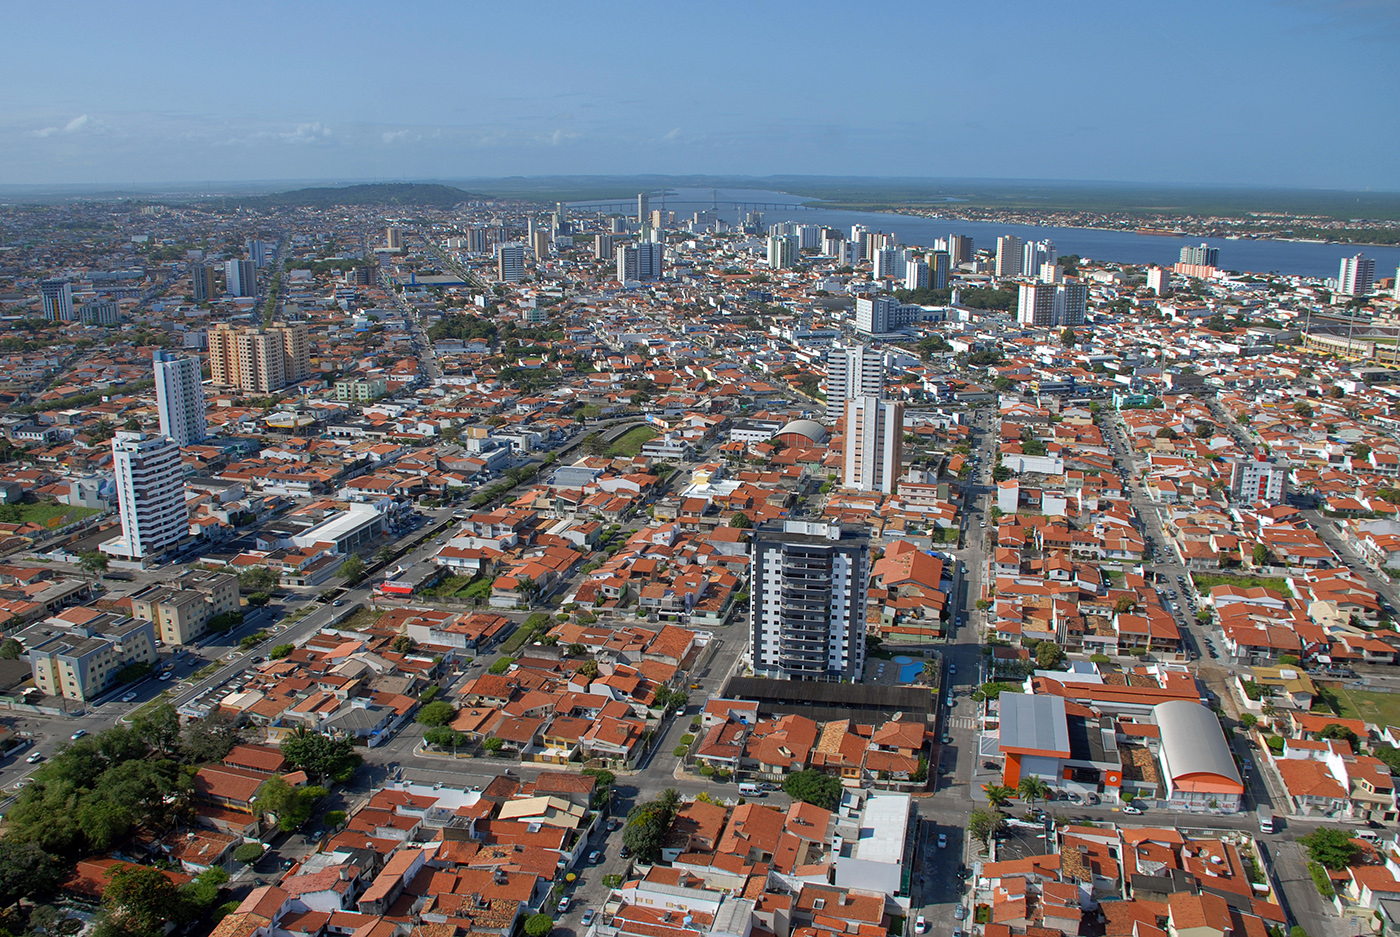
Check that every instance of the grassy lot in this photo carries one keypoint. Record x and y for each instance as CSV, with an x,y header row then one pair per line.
x,y
630,443
1204,581
449,586
52,515
361,619
1383,709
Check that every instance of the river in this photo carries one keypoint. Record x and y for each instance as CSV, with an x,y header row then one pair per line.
x,y
1249,255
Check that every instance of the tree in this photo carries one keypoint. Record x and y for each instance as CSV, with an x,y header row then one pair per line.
x,y
1032,789
280,651
401,644
538,925
1304,410
248,853
1331,847
1166,432
159,728
259,599
1360,452
740,521
334,819
353,569
983,824
1068,338
1049,655
997,794
493,744
814,787
27,871
291,805
588,668
1260,554
140,896
257,579
444,737
209,739
437,713
1335,730
384,554
10,649
1124,603
93,562
320,755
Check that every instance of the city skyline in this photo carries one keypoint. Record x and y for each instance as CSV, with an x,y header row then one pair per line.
x,y
134,101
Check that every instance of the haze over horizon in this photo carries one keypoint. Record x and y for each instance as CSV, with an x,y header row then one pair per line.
x,y
1287,93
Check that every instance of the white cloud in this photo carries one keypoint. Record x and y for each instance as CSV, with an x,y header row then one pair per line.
x,y
673,135
314,132
557,137
73,126
393,136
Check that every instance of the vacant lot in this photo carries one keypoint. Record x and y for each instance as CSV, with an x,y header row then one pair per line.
x,y
1383,709
631,442
47,515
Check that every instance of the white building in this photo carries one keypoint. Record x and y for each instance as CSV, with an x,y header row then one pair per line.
x,y
807,621
58,299
1159,280
150,495
875,845
1356,275
1257,481
916,275
852,372
1035,254
1008,255
510,263
179,397
240,278
872,444
782,251
889,263
1049,305
641,261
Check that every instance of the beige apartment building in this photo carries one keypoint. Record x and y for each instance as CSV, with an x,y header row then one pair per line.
x,y
259,360
79,653
182,611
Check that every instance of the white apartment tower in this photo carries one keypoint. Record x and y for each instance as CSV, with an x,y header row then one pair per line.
x,y
1050,305
1356,275
510,263
807,620
852,372
1159,280
393,238
240,278
872,444
58,300
640,261
1008,256
150,495
1035,254
916,275
782,251
179,398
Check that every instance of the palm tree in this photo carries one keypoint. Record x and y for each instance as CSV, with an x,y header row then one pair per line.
x,y
997,794
1032,789
669,800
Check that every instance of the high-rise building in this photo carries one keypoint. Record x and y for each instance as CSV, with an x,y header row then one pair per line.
x,y
240,278
478,239
1008,256
1050,305
360,275
101,313
782,251
810,590
510,263
832,243
959,250
881,314
889,262
249,359
540,245
852,372
179,397
640,261
1035,254
1396,291
393,238
202,282
150,483
643,207
1252,480
808,235
915,275
58,299
603,246
1159,280
258,251
1202,256
1354,278
938,265
872,444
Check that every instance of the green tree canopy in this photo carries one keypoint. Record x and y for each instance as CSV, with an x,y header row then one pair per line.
x,y
436,713
814,787
322,756
1331,847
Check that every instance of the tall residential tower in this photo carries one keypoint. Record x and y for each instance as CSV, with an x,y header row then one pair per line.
x,y
179,397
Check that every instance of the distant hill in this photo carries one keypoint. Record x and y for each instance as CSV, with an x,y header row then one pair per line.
x,y
406,194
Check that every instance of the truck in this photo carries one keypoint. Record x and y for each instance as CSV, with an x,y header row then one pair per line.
x,y
1266,819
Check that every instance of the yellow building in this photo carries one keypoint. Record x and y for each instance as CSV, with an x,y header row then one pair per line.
x,y
79,653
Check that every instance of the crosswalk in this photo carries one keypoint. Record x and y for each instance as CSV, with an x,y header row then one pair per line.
x,y
962,722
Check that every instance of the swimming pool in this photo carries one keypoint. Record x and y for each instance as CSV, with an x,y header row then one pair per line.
x,y
909,668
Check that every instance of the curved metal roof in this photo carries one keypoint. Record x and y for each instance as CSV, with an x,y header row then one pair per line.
x,y
809,428
1192,742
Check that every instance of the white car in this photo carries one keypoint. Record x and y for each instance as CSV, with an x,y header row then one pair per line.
x,y
920,925
942,840
1132,811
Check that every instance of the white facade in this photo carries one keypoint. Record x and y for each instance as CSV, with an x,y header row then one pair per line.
x,y
1356,275
179,398
1050,305
641,261
1159,280
510,263
873,444
1034,254
852,372
1257,481
150,495
1008,255
58,299
807,620
240,278
889,263
782,251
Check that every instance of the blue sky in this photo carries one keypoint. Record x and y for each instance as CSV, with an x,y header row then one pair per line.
x,y
1252,92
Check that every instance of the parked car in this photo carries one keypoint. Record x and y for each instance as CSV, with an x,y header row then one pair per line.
x,y
625,853
942,840
1132,811
920,925
587,917
564,904
959,913
595,857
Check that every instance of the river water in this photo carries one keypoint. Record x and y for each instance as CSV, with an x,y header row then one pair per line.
x,y
1251,256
